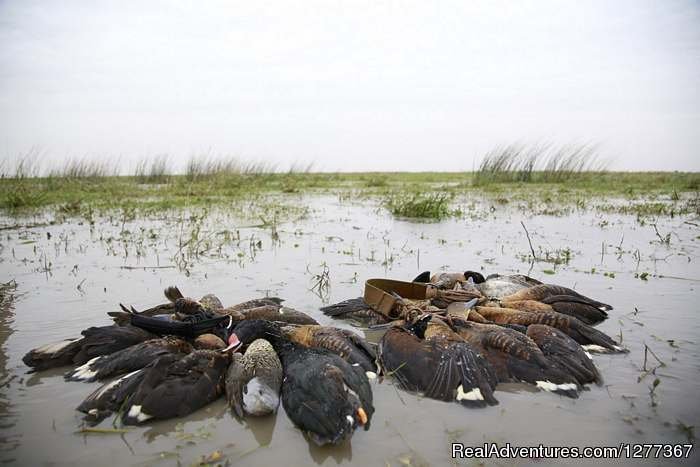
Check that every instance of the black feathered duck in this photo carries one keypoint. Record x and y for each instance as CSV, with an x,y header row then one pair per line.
x,y
426,356
324,395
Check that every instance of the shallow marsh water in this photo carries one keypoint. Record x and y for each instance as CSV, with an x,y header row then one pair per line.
x,y
70,273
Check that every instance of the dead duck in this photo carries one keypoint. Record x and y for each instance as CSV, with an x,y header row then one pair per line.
x,y
590,338
278,313
253,380
437,363
109,397
516,357
254,303
498,286
323,395
560,299
355,309
348,345
177,307
177,388
128,359
95,341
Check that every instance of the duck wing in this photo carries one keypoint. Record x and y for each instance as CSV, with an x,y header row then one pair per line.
x,y
565,352
237,376
589,337
178,389
444,372
126,360
278,313
257,302
104,340
464,375
578,307
546,292
109,397
346,306
53,355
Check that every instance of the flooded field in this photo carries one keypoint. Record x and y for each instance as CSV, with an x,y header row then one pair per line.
x,y
312,250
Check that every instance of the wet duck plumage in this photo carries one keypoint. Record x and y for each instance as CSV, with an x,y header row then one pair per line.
x,y
322,394
498,286
587,336
562,300
128,359
177,388
355,309
95,341
565,352
435,361
342,342
516,357
253,380
278,313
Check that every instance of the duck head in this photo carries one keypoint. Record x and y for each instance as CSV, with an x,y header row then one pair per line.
x,y
419,325
477,277
247,331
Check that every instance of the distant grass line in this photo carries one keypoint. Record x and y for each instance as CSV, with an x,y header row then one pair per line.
x,y
509,173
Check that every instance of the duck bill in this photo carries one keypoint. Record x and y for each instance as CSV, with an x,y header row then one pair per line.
x,y
361,416
233,344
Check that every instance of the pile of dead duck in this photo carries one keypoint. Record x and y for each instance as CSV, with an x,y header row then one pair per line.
x,y
452,337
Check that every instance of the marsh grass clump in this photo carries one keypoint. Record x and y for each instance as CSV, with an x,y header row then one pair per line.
x,y
156,170
435,205
537,163
206,167
86,168
19,190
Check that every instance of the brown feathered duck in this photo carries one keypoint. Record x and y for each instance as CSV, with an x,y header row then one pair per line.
x,y
177,307
433,360
590,338
516,357
354,309
348,345
253,380
323,395
524,293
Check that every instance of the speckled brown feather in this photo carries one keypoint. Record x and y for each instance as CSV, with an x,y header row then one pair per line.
x,y
277,313
259,360
342,342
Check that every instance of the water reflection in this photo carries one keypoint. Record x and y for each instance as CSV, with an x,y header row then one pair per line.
x,y
8,416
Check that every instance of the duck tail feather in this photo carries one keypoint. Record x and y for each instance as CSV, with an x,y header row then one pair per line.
x,y
594,340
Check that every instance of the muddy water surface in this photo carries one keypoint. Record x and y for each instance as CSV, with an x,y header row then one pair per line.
x,y
70,273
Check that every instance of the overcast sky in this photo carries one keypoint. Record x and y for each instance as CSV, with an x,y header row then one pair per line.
x,y
372,85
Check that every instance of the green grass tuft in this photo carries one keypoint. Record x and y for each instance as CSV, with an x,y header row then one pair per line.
x,y
419,205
